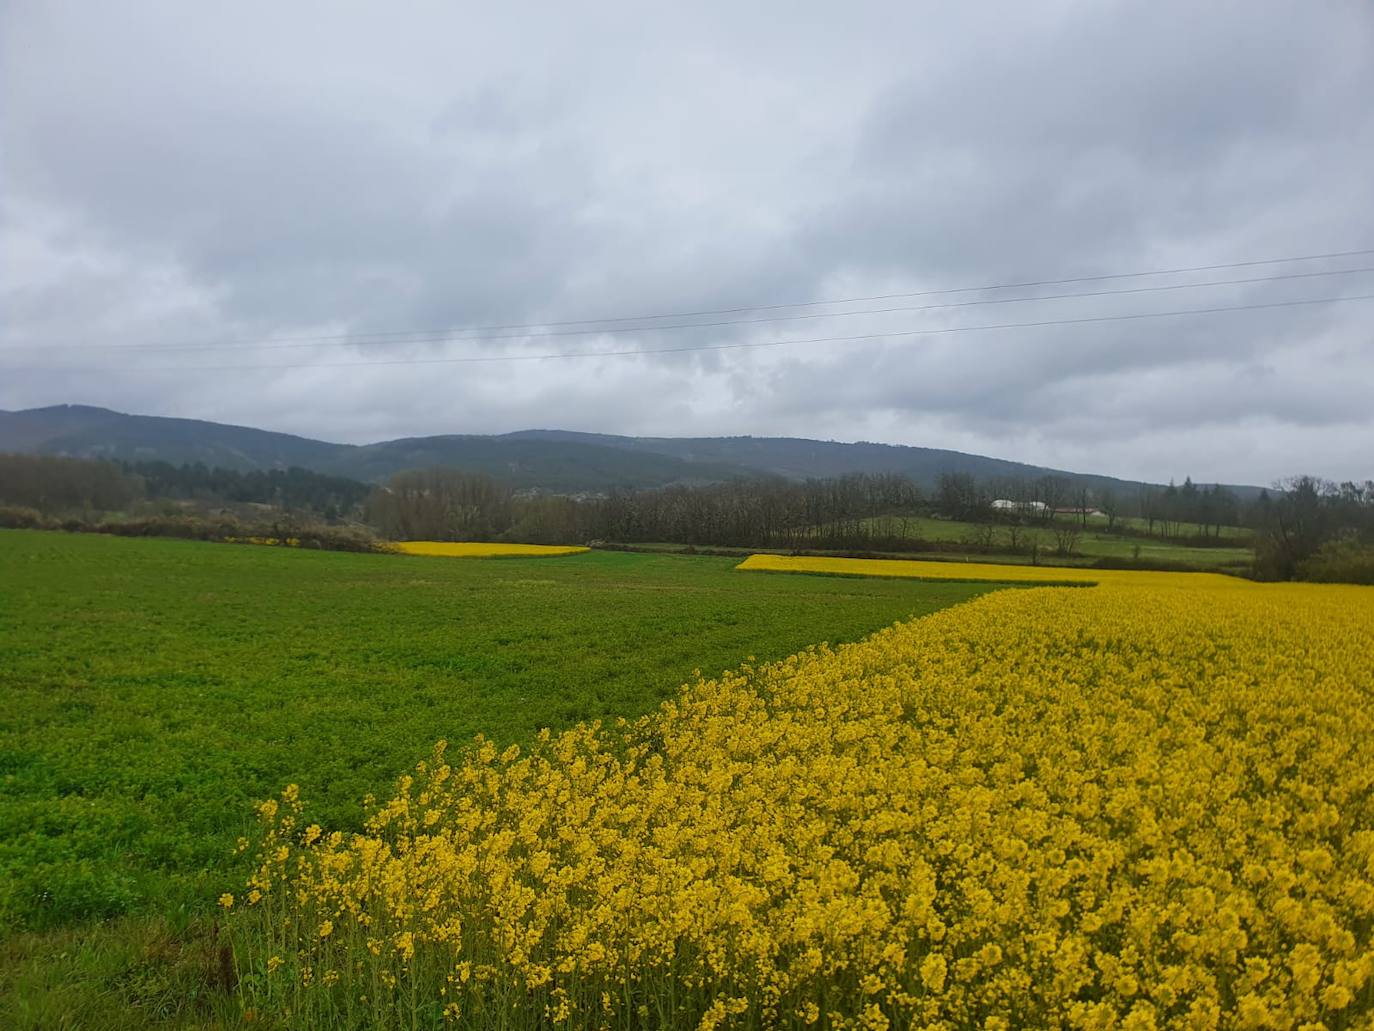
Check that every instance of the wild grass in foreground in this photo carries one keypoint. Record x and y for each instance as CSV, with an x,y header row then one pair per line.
x,y
126,974
1125,806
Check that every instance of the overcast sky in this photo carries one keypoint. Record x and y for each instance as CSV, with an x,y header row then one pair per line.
x,y
233,182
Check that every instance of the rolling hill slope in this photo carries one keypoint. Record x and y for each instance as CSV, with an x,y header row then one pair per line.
x,y
552,460
80,431
555,465
797,458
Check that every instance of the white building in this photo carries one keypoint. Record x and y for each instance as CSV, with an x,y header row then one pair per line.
x,y
1036,508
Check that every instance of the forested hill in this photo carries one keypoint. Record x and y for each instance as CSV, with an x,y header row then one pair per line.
x,y
797,458
81,431
550,460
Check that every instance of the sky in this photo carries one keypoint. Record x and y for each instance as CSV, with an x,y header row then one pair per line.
x,y
305,217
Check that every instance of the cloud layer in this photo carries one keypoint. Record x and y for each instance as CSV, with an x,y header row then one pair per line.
x,y
249,179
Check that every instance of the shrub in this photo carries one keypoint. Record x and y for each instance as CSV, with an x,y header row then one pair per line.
x,y
1344,560
288,533
18,517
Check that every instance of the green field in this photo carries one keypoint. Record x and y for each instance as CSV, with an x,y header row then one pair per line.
x,y
1184,529
1094,543
154,689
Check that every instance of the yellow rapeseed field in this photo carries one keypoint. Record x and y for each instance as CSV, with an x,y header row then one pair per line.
x,y
1145,804
478,549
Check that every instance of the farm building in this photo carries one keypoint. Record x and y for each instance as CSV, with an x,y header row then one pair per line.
x,y
1035,508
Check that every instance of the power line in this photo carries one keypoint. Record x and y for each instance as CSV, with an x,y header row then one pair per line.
x,y
741,345
450,333
419,338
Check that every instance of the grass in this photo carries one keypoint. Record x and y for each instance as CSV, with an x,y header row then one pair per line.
x,y
154,689
130,973
1094,543
1183,529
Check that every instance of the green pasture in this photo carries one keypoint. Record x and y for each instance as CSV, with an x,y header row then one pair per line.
x,y
1093,543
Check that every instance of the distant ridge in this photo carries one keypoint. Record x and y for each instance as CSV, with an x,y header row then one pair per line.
x,y
551,460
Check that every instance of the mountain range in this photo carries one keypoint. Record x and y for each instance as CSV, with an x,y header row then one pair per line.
x,y
549,460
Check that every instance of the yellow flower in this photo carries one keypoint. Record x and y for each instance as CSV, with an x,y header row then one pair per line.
x,y
226,900
933,970
1337,997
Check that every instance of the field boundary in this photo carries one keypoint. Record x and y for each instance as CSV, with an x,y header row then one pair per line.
x,y
840,575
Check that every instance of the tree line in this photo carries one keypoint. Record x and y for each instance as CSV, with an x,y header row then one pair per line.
x,y
445,504
1303,523
61,486
293,489
1304,527
848,512
1314,529
71,487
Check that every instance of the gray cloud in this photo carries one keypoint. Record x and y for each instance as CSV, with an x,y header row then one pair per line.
x,y
264,173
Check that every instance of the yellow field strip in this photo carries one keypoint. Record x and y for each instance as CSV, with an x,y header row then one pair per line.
x,y
480,549
924,570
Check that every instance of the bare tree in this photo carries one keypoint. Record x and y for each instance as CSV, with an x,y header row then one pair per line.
x,y
1016,535
441,504
1110,505
981,536
1066,538
1296,524
1052,491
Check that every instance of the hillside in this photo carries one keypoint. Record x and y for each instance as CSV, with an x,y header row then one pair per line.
x,y
79,431
799,459
553,460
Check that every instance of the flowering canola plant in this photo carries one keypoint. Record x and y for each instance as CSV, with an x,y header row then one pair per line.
x,y
1146,804
480,549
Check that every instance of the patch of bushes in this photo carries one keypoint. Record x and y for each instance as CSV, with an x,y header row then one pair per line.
x,y
1343,560
18,517
207,528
